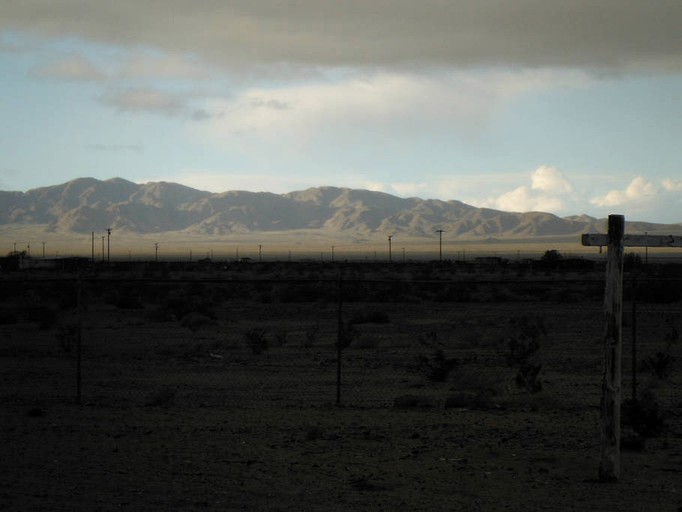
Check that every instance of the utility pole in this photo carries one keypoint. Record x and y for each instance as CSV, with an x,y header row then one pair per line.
x,y
260,252
103,248
440,244
108,245
156,251
389,248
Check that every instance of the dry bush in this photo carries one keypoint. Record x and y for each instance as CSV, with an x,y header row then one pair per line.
x,y
256,341
195,321
366,342
163,397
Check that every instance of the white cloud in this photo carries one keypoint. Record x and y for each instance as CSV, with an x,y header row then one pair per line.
x,y
408,189
637,191
672,185
146,100
164,66
547,192
71,68
522,199
223,181
550,180
369,106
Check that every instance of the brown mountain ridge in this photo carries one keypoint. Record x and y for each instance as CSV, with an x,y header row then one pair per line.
x,y
87,204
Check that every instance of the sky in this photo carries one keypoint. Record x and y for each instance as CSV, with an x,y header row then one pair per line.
x,y
532,105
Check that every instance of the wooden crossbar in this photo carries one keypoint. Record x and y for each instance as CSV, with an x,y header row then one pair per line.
x,y
602,240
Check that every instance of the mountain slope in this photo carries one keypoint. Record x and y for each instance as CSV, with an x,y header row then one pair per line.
x,y
86,204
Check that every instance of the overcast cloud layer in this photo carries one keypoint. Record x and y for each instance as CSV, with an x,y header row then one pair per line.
x,y
563,106
608,34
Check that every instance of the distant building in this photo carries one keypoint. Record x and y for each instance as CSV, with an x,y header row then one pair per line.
x,y
57,263
489,261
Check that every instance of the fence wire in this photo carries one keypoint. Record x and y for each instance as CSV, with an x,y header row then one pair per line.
x,y
479,341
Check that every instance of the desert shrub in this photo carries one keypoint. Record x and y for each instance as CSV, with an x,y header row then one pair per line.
x,y
311,335
7,316
527,377
475,379
659,292
478,400
159,314
163,397
44,316
346,336
370,317
672,335
281,337
522,348
644,415
471,338
125,298
255,339
414,402
179,304
660,365
195,321
366,342
435,367
632,261
66,336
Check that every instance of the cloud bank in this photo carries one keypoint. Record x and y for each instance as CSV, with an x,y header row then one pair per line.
x,y
608,34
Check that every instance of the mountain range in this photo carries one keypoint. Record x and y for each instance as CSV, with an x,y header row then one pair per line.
x,y
87,204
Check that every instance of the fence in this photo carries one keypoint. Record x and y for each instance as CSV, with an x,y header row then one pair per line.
x,y
424,335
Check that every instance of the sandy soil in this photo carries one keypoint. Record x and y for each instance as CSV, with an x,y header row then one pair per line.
x,y
179,419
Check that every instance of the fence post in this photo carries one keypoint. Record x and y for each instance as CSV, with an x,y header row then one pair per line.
x,y
634,337
79,337
609,467
339,344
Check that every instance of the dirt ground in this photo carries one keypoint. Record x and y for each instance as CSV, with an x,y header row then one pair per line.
x,y
187,416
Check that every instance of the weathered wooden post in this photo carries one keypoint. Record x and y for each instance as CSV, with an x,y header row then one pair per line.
x,y
79,338
616,240
609,465
339,342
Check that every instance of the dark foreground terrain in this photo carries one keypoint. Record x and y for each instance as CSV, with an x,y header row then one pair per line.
x,y
457,389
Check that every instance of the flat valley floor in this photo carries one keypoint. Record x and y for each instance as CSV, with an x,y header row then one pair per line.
x,y
203,396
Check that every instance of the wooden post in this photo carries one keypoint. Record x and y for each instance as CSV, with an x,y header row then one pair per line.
x,y
339,343
79,339
616,240
609,466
